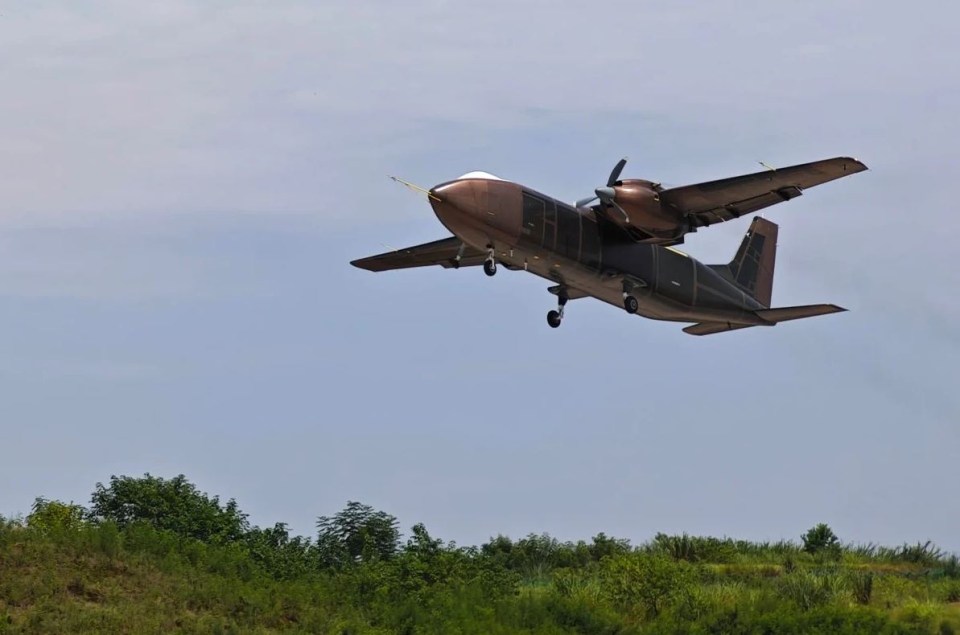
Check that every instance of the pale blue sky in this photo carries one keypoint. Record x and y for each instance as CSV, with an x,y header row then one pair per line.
x,y
184,183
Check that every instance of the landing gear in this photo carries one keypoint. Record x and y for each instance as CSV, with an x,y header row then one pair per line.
x,y
456,259
630,303
554,318
490,265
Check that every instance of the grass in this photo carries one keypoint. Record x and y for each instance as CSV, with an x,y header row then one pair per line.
x,y
83,576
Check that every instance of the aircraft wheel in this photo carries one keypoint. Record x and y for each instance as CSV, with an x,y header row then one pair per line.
x,y
553,319
630,304
490,267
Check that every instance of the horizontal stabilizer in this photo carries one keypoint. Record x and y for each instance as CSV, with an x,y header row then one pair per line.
x,y
797,312
709,328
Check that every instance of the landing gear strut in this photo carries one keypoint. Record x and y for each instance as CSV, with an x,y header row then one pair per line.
x,y
490,265
555,317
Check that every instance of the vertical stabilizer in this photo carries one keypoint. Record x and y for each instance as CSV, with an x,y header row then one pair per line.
x,y
752,267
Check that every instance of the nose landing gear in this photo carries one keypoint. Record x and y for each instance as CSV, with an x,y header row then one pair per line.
x,y
630,303
554,318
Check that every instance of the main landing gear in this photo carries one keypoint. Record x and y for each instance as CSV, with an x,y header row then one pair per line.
x,y
630,303
490,265
555,317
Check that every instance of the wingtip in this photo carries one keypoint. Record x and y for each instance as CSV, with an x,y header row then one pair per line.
x,y
857,163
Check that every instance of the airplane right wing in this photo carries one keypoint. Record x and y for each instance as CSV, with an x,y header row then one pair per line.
x,y
439,252
723,200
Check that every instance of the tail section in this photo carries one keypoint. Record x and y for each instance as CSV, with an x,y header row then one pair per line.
x,y
752,267
770,317
752,270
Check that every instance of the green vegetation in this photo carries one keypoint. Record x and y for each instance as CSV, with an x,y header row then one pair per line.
x,y
152,555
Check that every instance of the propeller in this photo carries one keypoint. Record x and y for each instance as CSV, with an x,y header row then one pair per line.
x,y
605,194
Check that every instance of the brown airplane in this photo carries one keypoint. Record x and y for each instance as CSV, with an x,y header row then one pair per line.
x,y
619,249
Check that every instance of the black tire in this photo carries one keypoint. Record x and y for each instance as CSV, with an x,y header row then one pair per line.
x,y
630,304
490,267
553,319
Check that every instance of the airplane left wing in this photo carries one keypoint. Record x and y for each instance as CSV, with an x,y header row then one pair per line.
x,y
723,200
439,252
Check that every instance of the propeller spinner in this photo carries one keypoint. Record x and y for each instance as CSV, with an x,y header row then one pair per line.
x,y
606,194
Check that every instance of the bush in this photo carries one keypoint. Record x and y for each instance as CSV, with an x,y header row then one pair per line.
x,y
696,548
808,590
861,583
648,582
925,553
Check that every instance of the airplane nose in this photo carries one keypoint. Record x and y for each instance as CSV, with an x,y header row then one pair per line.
x,y
463,195
459,206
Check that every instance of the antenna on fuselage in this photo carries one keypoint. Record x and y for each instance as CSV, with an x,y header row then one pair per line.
x,y
415,188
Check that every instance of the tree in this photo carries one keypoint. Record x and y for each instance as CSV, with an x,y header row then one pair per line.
x,y
168,504
820,539
422,543
604,545
357,534
52,515
283,557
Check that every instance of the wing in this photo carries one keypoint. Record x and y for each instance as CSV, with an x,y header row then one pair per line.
x,y
439,252
718,201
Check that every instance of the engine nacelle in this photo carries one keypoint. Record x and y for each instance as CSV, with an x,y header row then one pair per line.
x,y
640,199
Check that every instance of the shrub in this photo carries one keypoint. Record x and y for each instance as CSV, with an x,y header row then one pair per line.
x,y
809,590
650,582
861,582
925,553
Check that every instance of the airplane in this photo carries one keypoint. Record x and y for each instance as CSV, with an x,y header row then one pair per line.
x,y
621,249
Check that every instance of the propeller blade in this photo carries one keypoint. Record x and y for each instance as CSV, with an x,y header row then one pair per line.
x,y
583,202
615,174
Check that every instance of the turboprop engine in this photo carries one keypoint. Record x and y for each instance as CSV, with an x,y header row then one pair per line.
x,y
634,205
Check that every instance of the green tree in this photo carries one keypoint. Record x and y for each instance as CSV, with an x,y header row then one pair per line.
x,y
358,533
282,556
170,504
820,539
604,545
53,515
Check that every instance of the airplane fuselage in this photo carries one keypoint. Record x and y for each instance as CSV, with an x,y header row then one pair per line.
x,y
585,255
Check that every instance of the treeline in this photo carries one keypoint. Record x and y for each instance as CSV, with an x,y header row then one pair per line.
x,y
157,555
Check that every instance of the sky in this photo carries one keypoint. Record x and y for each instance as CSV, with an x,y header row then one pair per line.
x,y
183,185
